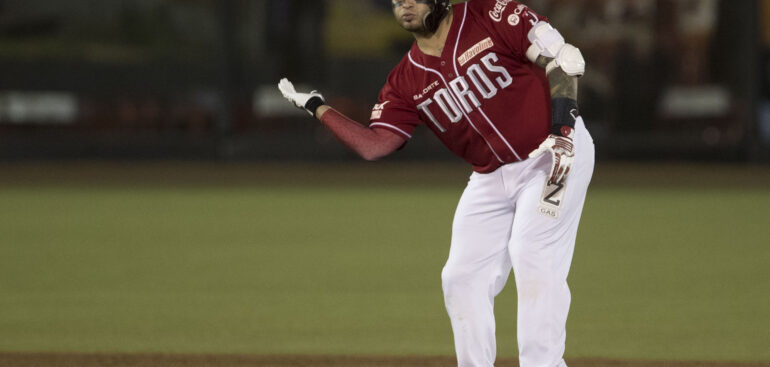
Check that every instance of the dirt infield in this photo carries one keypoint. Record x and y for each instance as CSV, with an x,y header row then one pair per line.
x,y
158,360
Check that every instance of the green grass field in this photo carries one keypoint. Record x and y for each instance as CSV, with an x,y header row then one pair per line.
x,y
671,262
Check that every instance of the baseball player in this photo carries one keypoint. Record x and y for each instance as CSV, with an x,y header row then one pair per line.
x,y
497,84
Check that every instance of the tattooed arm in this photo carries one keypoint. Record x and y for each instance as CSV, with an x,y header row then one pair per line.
x,y
564,90
563,64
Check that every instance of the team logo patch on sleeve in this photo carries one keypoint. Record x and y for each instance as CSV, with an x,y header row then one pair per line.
x,y
475,50
377,110
514,19
497,12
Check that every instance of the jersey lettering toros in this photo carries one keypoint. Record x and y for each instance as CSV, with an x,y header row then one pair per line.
x,y
482,98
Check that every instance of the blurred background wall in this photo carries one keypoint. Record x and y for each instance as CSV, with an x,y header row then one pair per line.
x,y
195,79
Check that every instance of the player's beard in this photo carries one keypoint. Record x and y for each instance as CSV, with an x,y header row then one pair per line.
x,y
415,27
418,28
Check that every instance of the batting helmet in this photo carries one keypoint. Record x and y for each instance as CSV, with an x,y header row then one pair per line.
x,y
438,10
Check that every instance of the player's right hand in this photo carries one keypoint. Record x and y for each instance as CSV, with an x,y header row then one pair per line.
x,y
562,152
307,101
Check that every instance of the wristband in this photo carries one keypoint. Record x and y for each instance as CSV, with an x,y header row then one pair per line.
x,y
565,113
313,104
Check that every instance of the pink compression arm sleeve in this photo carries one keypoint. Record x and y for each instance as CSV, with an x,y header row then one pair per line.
x,y
370,144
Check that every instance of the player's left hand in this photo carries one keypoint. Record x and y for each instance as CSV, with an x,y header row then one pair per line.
x,y
307,101
562,151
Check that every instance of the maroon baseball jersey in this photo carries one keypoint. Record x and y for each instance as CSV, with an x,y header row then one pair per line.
x,y
483,98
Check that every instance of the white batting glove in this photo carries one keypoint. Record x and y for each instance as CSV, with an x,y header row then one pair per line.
x,y
562,151
307,101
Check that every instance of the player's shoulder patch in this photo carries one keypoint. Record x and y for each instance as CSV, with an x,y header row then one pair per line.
x,y
498,9
377,110
509,11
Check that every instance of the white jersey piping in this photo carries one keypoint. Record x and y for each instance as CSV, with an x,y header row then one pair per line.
x,y
451,93
391,127
457,72
499,134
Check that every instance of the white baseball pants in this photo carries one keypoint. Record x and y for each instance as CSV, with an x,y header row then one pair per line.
x,y
498,226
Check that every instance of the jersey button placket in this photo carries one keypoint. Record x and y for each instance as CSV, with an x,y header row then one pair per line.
x,y
443,66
